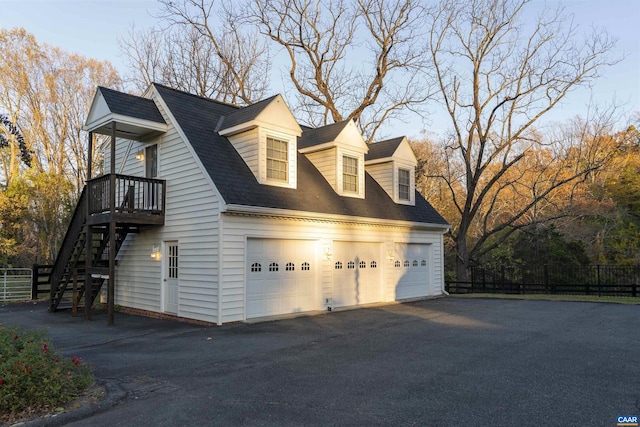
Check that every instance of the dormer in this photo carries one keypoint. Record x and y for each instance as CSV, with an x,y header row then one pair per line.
x,y
264,134
337,151
392,164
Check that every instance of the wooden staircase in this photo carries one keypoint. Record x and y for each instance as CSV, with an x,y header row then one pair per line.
x,y
81,267
69,273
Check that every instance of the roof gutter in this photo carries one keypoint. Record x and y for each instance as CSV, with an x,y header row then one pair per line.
x,y
295,214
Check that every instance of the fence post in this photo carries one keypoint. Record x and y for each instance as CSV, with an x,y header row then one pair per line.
x,y
4,286
34,282
484,280
598,275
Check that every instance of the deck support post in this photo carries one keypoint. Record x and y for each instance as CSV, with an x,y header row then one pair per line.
x,y
112,229
89,236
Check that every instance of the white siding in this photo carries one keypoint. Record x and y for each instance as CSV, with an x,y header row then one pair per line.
x,y
192,215
246,144
325,162
383,174
237,229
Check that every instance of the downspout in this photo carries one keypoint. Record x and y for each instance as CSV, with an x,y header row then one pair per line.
x,y
220,260
442,284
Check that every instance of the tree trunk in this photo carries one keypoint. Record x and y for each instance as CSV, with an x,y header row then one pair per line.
x,y
462,258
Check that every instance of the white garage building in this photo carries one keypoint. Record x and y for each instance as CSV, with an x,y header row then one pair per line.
x,y
264,217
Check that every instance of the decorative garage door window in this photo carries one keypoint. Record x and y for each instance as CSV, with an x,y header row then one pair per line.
x,y
338,265
361,281
412,274
287,283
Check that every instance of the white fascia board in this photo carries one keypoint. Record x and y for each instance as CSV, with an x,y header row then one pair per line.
x,y
252,124
127,120
319,147
242,127
376,161
287,213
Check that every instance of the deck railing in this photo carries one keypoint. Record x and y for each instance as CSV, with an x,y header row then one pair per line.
x,y
132,195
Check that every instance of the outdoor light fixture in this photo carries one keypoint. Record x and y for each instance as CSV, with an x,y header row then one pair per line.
x,y
140,155
328,252
156,255
390,255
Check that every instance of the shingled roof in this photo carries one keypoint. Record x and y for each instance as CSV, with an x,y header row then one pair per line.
x,y
317,136
246,114
198,118
131,105
383,149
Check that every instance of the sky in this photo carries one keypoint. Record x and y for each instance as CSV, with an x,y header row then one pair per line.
x,y
92,28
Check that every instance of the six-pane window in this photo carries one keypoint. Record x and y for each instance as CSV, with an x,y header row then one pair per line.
x,y
404,183
277,159
349,174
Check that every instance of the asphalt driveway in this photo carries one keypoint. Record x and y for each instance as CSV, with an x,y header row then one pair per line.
x,y
443,362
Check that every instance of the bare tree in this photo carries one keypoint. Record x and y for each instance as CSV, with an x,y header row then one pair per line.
x,y
205,50
499,72
349,60
46,93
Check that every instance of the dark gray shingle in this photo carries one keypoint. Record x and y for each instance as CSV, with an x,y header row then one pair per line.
x,y
317,136
198,117
245,114
383,149
131,105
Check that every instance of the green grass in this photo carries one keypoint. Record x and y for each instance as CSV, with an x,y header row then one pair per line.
x,y
545,297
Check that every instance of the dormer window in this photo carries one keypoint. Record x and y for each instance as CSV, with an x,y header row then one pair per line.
x,y
277,159
404,184
349,174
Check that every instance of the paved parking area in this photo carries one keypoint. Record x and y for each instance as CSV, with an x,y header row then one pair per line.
x,y
443,362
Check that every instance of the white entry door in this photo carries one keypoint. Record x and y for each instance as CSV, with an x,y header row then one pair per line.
x,y
411,270
357,277
282,277
171,277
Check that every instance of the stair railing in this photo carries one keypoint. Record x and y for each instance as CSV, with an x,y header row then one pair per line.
x,y
66,250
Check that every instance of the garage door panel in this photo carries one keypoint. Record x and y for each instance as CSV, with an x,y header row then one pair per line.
x,y
281,277
356,275
411,270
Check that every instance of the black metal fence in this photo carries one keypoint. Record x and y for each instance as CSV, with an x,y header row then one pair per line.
x,y
600,280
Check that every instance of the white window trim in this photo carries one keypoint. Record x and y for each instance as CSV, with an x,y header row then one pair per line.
x,y
340,153
292,166
412,184
286,161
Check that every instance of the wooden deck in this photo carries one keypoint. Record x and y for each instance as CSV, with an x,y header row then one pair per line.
x,y
136,201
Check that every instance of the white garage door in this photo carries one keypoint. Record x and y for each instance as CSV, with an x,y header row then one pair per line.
x,y
411,270
357,273
281,277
